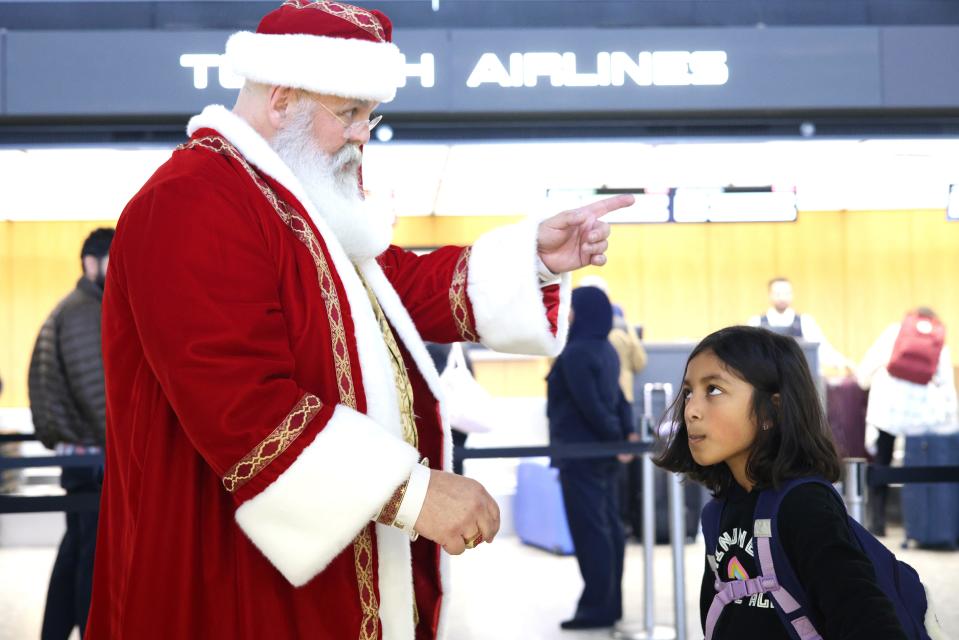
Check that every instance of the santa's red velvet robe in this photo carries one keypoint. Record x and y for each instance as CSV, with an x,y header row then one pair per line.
x,y
253,427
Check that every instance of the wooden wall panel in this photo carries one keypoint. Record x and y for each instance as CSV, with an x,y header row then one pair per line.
x,y
810,253
855,272
935,260
879,268
741,259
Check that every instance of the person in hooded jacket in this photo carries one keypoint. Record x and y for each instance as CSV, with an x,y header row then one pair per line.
x,y
585,404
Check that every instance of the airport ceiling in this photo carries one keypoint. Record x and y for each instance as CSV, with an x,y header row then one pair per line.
x,y
228,14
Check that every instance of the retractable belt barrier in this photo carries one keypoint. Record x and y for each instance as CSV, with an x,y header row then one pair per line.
x,y
879,475
857,476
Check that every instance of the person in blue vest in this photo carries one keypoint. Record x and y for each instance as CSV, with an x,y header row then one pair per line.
x,y
783,319
585,404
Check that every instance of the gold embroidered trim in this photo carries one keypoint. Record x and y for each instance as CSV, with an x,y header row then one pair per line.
x,y
274,444
458,297
356,15
390,510
363,544
404,389
363,561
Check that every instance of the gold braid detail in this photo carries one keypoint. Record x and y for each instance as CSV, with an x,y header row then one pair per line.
x,y
363,544
458,297
403,387
355,15
274,444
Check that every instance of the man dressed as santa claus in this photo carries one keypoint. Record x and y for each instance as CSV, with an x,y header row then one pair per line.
x,y
277,458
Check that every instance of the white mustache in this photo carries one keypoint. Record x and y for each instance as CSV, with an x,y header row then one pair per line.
x,y
346,158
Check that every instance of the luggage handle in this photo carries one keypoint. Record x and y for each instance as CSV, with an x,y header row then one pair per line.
x,y
647,422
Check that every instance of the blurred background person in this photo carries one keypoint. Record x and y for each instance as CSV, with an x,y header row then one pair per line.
x,y
632,360
585,404
68,407
912,392
783,319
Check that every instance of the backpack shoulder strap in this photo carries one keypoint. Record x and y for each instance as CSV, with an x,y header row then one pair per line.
x,y
789,596
710,517
726,592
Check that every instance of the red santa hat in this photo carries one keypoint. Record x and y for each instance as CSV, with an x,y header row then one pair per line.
x,y
325,47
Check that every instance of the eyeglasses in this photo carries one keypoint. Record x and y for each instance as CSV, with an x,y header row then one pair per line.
x,y
353,129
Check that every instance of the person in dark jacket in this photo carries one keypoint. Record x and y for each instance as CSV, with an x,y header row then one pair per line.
x,y
585,404
68,406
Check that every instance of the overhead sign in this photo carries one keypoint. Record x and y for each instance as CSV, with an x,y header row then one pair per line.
x,y
612,69
518,71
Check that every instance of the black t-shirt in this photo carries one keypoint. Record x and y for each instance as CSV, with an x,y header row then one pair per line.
x,y
838,577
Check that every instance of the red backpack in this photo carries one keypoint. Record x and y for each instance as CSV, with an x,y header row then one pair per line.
x,y
915,356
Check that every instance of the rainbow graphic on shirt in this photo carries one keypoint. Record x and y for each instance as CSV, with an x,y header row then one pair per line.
x,y
736,570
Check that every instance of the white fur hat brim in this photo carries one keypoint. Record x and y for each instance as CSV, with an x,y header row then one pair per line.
x,y
344,67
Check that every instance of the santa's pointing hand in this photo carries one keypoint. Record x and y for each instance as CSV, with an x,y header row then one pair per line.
x,y
576,238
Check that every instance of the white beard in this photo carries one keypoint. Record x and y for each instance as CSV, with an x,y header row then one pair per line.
x,y
331,183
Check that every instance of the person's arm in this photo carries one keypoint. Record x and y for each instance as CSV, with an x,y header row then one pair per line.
x,y
838,577
490,292
828,355
580,369
199,275
79,347
877,356
637,352
501,291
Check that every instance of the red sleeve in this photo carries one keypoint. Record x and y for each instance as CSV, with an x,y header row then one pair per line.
x,y
433,290
487,293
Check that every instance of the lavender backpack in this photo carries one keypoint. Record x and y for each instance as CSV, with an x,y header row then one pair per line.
x,y
898,580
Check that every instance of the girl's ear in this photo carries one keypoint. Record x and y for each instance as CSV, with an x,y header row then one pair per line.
x,y
775,400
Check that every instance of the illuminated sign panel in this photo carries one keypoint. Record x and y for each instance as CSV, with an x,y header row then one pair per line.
x,y
689,204
470,71
613,69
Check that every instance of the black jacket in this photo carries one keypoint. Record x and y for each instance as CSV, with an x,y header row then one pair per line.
x,y
66,371
839,579
584,402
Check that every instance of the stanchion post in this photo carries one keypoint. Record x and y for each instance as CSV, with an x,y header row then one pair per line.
x,y
649,630
649,514
854,487
677,535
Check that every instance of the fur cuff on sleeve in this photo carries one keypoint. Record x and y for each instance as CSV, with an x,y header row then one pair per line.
x,y
311,512
504,291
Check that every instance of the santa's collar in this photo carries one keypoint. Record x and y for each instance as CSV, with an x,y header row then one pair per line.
x,y
255,149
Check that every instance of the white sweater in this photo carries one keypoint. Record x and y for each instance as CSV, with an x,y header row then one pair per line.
x,y
905,408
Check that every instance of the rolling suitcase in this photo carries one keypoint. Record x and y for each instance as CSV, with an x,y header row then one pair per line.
x,y
538,512
931,510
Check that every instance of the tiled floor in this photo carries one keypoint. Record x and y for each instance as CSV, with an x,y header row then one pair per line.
x,y
503,591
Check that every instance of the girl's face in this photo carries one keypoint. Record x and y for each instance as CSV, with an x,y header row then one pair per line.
x,y
718,416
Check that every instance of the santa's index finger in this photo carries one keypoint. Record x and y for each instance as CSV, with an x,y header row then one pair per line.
x,y
608,205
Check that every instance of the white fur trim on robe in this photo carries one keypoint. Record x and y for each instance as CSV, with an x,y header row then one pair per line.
x,y
504,291
406,331
315,508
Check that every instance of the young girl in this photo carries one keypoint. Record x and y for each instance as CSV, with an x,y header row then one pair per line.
x,y
749,418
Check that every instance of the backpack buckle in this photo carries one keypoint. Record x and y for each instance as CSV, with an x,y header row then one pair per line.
x,y
763,528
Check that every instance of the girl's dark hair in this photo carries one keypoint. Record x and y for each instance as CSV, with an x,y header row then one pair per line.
x,y
799,441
